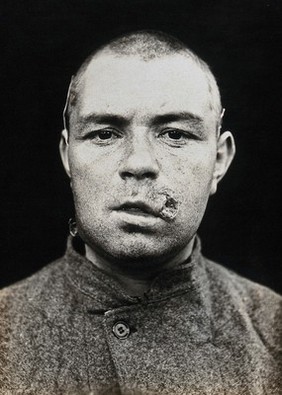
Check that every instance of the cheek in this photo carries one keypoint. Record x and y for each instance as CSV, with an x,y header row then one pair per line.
x,y
90,181
191,181
191,172
187,175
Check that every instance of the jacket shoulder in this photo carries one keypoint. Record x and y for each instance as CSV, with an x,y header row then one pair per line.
x,y
241,286
16,296
259,305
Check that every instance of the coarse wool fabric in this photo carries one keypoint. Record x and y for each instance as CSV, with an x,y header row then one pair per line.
x,y
200,329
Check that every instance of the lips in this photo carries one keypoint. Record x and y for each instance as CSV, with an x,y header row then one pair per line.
x,y
138,208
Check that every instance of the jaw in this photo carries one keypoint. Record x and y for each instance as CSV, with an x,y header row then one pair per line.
x,y
138,262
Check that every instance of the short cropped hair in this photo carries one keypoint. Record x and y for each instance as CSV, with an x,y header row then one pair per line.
x,y
147,45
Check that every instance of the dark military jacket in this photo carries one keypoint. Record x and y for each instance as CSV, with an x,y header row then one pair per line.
x,y
200,329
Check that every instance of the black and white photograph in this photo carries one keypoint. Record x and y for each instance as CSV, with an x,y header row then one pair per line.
x,y
141,206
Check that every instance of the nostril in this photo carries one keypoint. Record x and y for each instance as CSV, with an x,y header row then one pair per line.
x,y
126,174
149,174
140,175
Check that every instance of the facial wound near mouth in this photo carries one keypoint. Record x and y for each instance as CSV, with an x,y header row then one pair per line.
x,y
167,203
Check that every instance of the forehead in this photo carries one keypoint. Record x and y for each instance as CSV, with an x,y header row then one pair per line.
x,y
128,85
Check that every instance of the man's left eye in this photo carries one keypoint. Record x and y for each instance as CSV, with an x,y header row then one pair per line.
x,y
177,137
175,134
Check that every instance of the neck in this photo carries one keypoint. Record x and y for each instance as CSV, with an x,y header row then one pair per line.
x,y
136,283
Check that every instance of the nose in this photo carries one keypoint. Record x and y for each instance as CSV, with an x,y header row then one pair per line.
x,y
139,161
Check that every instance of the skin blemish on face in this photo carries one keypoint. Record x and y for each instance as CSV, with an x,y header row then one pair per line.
x,y
169,204
163,200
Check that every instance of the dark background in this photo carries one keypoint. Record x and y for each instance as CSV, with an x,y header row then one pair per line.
x,y
43,42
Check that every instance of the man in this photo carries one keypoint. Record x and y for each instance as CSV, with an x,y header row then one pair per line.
x,y
133,307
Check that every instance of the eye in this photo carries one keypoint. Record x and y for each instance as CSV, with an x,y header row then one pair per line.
x,y
104,134
175,134
175,137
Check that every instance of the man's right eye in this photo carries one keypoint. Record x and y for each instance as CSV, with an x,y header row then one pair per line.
x,y
103,135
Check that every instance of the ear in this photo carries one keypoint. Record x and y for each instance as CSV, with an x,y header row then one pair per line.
x,y
64,151
225,153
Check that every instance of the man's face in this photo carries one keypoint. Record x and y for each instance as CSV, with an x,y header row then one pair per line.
x,y
141,154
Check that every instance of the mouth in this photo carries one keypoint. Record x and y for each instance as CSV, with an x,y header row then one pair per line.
x,y
138,209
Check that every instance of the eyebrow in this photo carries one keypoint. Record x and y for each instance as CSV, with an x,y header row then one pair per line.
x,y
120,121
102,119
177,116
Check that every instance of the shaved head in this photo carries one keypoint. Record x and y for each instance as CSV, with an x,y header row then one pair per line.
x,y
146,45
144,115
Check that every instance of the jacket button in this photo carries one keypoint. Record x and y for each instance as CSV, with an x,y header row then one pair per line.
x,y
121,330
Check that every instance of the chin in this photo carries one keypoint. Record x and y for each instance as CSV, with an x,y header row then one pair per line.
x,y
138,252
135,255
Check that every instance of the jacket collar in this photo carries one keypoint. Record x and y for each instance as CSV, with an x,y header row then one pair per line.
x,y
188,277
